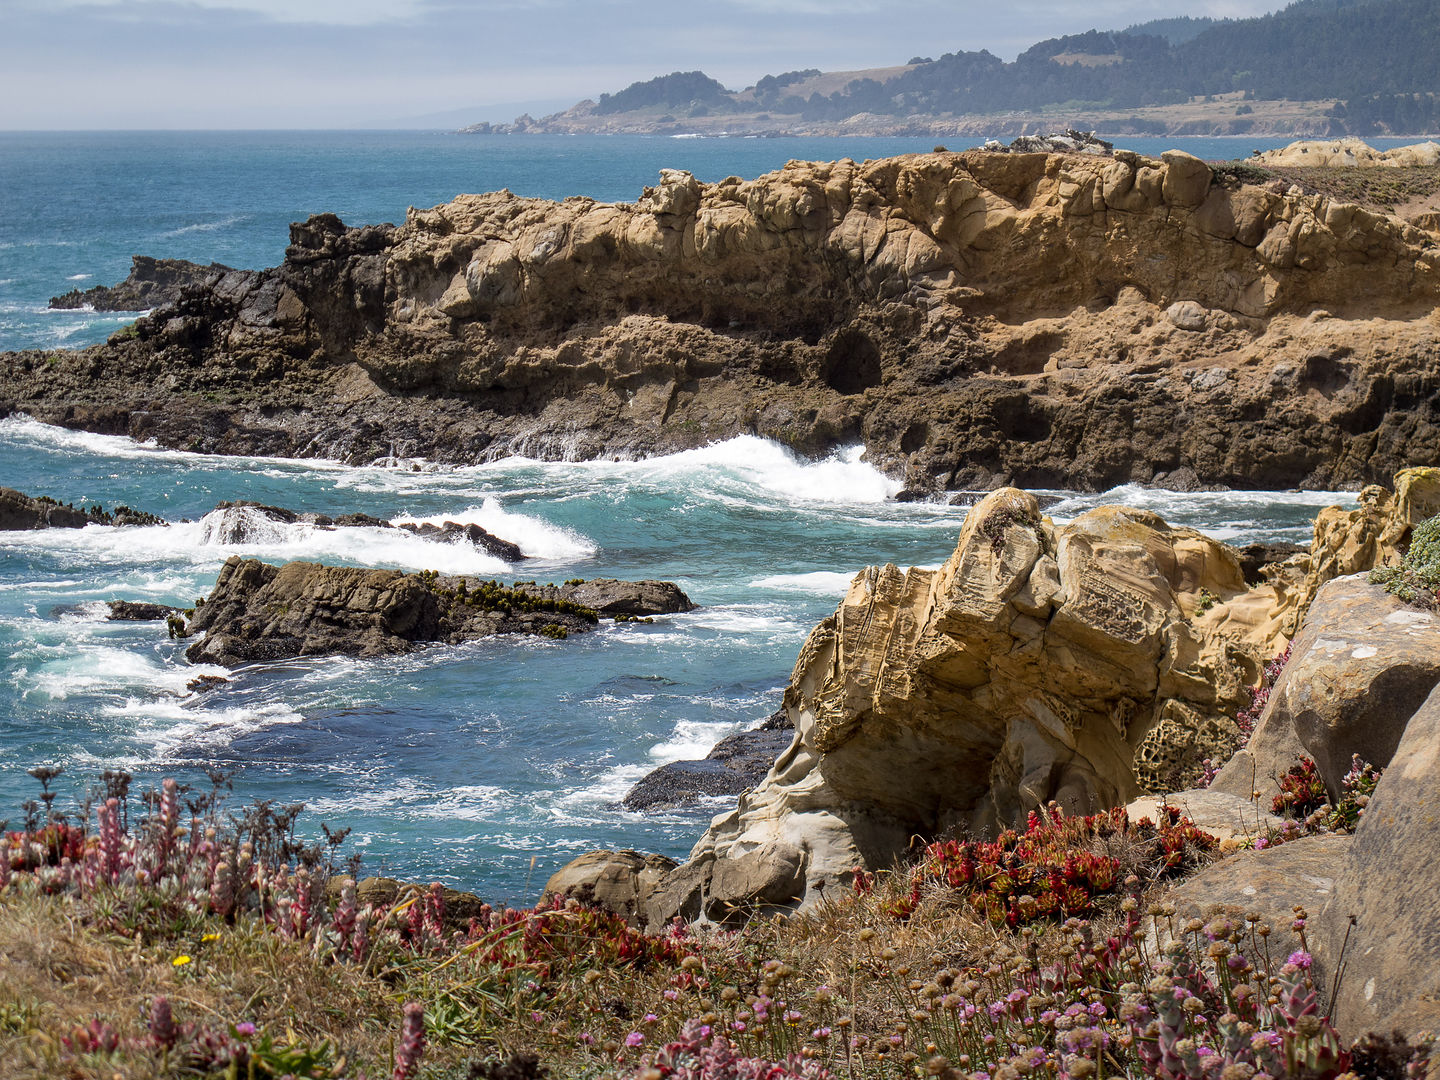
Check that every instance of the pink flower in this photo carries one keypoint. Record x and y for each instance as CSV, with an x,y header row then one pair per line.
x,y
1301,959
247,1029
634,1039
671,995
650,1018
738,1026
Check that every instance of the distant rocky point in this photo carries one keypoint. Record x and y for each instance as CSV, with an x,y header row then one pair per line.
x,y
20,511
1054,320
151,283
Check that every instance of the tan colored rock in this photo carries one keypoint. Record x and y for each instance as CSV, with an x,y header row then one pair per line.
x,y
1187,315
1387,883
1031,667
1359,668
1348,153
1187,178
618,881
966,316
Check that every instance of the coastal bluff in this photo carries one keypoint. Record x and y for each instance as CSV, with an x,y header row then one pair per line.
x,y
975,319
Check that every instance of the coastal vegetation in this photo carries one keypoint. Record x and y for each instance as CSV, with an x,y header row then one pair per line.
x,y
168,936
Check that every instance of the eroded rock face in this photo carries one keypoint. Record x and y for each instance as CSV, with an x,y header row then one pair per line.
x,y
259,612
975,319
1032,666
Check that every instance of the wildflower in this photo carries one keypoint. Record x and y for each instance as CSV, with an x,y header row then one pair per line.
x,y
180,961
738,1026
634,1039
245,1028
162,1025
1300,958
209,938
412,1042
669,995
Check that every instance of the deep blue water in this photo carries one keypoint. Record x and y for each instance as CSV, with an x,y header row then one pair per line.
x,y
486,765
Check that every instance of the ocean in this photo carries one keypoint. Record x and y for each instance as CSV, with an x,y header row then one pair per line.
x,y
488,765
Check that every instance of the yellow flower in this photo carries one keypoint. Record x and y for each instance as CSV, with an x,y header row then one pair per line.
x,y
180,961
210,937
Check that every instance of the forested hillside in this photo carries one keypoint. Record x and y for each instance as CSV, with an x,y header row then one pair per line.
x,y
1378,58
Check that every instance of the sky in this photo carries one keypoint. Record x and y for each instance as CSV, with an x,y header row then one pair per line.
x,y
122,64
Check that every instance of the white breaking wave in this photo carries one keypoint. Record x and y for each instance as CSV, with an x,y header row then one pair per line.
x,y
819,582
537,538
168,727
78,277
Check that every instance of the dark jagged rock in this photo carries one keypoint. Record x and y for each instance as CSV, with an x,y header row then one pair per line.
x,y
733,765
1205,333
1255,557
204,683
241,522
613,598
451,531
259,612
19,511
132,611
151,283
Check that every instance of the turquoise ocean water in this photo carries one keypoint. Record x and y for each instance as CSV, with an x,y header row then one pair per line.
x,y
486,765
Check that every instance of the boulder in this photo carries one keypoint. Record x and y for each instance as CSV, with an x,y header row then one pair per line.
x,y
1039,663
1187,315
637,598
259,612
1387,883
735,764
618,881
1221,814
1358,670
460,907
1254,558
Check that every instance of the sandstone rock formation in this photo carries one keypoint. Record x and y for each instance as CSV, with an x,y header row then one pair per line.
x,y
19,511
1361,665
1038,663
151,283
972,318
619,881
259,612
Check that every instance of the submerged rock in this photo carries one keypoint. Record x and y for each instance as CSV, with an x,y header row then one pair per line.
x,y
243,522
259,612
451,531
133,611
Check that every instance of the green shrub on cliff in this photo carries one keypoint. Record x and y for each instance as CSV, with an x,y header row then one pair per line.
x,y
1417,579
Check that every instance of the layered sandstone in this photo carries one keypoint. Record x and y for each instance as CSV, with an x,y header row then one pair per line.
x,y
1039,663
1045,319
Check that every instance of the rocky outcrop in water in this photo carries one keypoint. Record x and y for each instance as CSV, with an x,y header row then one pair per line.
x,y
150,284
259,612
139,611
245,522
734,764
19,511
973,318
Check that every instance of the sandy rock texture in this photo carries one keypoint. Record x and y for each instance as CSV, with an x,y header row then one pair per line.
x,y
974,319
1038,663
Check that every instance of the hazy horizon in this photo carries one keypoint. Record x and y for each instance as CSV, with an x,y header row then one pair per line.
x,y
298,64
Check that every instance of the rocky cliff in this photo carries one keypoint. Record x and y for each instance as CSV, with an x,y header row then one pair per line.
x,y
974,319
